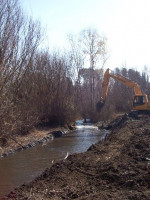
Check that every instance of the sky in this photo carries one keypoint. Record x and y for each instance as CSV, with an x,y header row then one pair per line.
x,y
125,24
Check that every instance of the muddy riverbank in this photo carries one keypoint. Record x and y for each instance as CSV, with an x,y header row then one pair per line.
x,y
15,143
118,168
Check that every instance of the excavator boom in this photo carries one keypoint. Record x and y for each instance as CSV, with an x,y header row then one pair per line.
x,y
121,79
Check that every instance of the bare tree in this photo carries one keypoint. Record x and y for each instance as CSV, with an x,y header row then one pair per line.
x,y
19,41
94,47
88,53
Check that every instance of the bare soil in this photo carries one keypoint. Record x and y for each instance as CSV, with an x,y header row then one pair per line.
x,y
115,169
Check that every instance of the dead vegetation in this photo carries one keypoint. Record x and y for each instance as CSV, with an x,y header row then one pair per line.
x,y
35,86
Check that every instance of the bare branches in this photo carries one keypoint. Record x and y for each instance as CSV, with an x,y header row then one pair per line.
x,y
88,51
19,40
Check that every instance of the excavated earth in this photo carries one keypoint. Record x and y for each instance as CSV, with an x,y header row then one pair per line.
x,y
115,169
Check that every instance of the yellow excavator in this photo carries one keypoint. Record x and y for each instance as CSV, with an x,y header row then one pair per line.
x,y
140,100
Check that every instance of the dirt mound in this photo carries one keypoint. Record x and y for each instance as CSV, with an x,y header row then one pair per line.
x,y
117,123
118,168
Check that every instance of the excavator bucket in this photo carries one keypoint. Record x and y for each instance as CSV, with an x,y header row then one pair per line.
x,y
99,106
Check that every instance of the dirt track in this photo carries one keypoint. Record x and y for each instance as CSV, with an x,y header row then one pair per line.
x,y
117,169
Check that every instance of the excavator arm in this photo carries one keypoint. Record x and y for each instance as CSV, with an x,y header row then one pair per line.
x,y
140,100
120,78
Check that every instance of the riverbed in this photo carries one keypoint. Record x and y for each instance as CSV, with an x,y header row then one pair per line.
x,y
22,167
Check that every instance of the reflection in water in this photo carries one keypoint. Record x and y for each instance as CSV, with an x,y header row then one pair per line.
x,y
24,166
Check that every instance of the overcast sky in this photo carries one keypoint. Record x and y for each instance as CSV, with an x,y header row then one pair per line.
x,y
125,23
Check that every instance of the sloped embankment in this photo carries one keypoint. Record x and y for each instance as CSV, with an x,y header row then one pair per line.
x,y
118,168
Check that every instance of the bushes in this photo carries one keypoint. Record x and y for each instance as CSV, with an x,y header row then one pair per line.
x,y
35,86
44,94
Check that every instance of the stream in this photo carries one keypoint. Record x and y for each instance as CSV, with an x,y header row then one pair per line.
x,y
22,167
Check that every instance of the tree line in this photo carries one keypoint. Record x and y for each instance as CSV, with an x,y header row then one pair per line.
x,y
42,87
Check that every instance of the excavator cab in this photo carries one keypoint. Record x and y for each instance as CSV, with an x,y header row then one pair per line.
x,y
138,100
